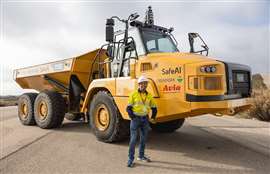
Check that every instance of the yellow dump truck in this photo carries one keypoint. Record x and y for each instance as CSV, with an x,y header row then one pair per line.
x,y
94,87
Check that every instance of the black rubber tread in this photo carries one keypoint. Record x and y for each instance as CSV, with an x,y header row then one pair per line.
x,y
73,117
118,128
29,99
56,109
168,127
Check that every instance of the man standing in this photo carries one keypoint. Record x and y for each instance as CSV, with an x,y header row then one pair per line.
x,y
139,104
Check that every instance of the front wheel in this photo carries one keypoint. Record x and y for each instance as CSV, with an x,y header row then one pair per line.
x,y
105,119
168,127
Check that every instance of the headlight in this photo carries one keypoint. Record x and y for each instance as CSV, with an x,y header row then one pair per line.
x,y
208,69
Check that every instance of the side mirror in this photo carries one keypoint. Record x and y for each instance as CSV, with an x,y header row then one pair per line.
x,y
191,37
109,30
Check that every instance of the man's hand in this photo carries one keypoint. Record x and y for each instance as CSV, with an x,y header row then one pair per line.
x,y
132,116
154,114
130,112
153,120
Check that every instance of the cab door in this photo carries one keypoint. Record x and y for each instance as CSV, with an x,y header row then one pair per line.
x,y
125,84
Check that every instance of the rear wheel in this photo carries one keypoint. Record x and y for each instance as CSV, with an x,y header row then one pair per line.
x,y
105,119
26,108
49,109
167,127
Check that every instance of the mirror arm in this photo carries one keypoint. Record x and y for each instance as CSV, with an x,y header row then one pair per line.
x,y
174,39
191,41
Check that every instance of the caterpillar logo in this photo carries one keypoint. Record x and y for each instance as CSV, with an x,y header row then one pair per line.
x,y
176,70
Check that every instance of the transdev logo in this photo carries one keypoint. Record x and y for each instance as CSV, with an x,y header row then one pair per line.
x,y
169,80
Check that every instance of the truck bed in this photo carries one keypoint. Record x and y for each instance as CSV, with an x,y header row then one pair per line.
x,y
36,77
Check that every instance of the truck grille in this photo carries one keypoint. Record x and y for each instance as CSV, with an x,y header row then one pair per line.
x,y
238,79
241,82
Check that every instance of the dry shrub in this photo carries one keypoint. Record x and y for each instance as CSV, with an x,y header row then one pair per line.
x,y
258,82
260,105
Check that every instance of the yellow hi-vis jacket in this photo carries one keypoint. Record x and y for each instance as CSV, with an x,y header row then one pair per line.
x,y
141,103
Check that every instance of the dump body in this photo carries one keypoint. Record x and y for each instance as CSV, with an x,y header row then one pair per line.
x,y
34,77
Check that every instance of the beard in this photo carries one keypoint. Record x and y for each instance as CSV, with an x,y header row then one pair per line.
x,y
142,89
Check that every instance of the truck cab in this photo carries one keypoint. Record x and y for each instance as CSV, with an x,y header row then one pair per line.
x,y
184,84
145,41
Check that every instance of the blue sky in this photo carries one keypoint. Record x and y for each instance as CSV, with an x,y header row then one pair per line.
x,y
39,32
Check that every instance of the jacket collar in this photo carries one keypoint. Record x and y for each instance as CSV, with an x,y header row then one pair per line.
x,y
141,91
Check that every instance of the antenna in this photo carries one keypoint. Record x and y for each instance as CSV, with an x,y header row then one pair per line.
x,y
149,16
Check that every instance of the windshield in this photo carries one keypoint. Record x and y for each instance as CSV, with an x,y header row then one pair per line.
x,y
158,42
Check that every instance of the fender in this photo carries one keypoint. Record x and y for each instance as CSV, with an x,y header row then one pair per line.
x,y
108,84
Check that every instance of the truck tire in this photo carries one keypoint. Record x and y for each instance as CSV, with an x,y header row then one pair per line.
x,y
167,127
106,120
26,108
50,109
73,116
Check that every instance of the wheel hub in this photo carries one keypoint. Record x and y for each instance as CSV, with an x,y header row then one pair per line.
x,y
102,118
24,110
42,110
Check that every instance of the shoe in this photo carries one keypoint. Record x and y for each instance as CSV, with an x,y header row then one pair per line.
x,y
130,164
144,159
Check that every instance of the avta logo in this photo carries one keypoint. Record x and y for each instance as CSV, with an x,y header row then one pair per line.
x,y
171,88
176,70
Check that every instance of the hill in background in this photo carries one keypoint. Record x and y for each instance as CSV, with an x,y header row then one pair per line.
x,y
8,100
266,79
258,82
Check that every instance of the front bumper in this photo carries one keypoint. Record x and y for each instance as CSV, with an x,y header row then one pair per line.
x,y
207,98
227,107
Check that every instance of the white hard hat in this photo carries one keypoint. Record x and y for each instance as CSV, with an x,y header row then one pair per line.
x,y
142,79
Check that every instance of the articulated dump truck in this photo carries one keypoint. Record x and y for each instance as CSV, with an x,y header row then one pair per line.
x,y
94,87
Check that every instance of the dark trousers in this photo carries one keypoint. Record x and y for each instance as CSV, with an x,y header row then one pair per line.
x,y
141,124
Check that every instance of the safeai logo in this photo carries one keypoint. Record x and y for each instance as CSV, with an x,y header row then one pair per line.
x,y
169,71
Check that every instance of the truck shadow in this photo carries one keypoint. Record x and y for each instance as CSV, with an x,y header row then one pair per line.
x,y
216,154
75,126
